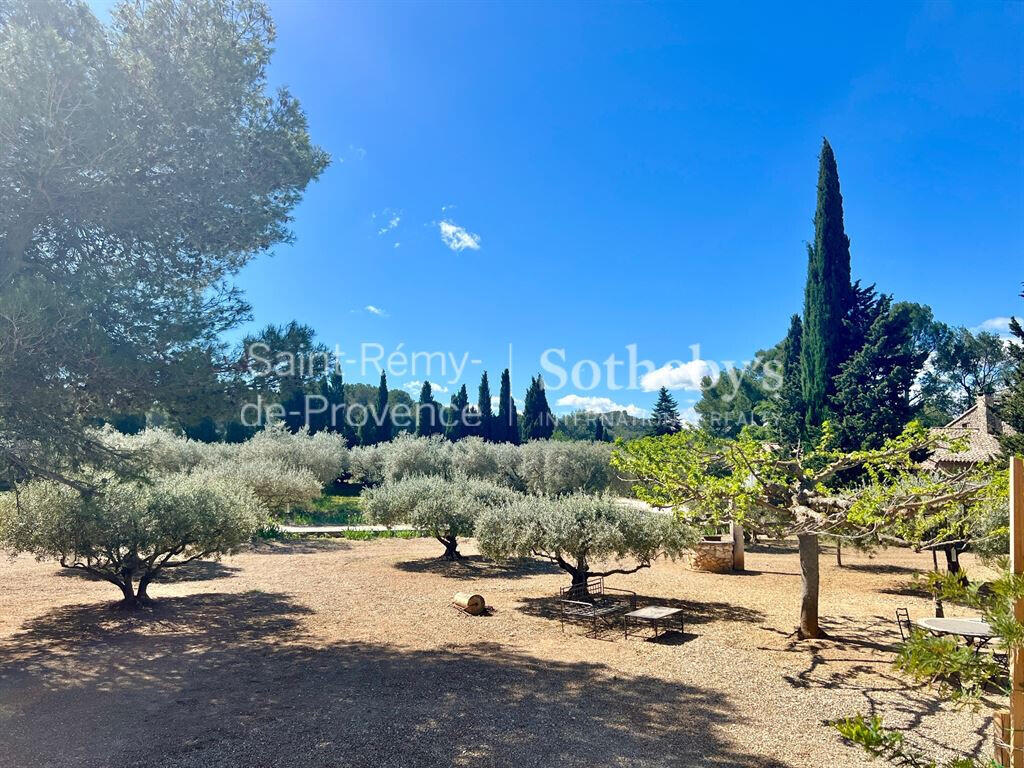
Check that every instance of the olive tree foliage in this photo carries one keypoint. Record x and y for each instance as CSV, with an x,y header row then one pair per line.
x,y
556,468
441,507
186,501
891,500
321,458
541,467
143,163
128,531
579,530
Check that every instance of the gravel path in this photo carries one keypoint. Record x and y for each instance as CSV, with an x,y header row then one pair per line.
x,y
341,653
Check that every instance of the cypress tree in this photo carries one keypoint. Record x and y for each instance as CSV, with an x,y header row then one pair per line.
x,y
538,421
381,415
665,417
1011,408
599,430
457,428
827,295
428,413
507,424
483,407
789,422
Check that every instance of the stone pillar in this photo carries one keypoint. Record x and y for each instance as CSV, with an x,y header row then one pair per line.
x,y
737,546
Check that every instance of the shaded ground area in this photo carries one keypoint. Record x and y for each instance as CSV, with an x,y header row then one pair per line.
x,y
350,654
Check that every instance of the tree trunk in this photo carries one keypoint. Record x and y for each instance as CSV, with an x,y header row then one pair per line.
x,y
143,585
579,578
839,553
580,574
809,575
129,600
451,547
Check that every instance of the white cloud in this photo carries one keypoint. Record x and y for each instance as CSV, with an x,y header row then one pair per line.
x,y
599,405
457,238
689,415
398,245
415,386
1000,325
679,375
375,310
393,222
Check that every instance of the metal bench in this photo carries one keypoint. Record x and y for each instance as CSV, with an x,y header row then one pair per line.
x,y
594,604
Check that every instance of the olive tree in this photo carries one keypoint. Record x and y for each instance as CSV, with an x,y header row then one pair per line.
x,y
445,509
193,503
410,456
578,531
323,456
130,531
554,468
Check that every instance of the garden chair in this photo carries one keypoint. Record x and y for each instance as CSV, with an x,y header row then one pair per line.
x,y
903,620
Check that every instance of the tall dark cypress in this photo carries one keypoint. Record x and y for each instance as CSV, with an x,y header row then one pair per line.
x,y
457,415
428,413
381,415
538,420
483,407
789,422
599,430
507,423
827,295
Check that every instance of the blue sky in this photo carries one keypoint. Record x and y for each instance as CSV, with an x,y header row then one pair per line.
x,y
616,174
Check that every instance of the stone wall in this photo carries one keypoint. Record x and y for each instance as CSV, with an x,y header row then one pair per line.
x,y
713,556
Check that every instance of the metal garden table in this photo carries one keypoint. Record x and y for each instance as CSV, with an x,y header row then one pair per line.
x,y
656,616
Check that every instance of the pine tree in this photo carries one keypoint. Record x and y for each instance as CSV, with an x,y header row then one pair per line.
x,y
1011,407
483,406
507,423
873,388
789,420
538,421
599,430
828,295
381,414
457,413
665,417
428,413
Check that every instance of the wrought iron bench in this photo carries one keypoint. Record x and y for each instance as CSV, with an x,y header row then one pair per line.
x,y
594,604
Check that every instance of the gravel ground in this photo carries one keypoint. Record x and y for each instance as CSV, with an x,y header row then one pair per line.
x,y
340,653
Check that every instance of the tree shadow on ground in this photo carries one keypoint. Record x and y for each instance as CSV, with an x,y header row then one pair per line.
x,y
882,568
769,547
299,546
694,612
476,567
907,589
857,656
197,570
233,680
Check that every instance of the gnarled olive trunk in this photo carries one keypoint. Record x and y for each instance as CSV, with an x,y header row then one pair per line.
x,y
809,574
451,547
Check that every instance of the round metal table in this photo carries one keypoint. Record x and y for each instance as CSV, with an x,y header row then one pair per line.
x,y
974,631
